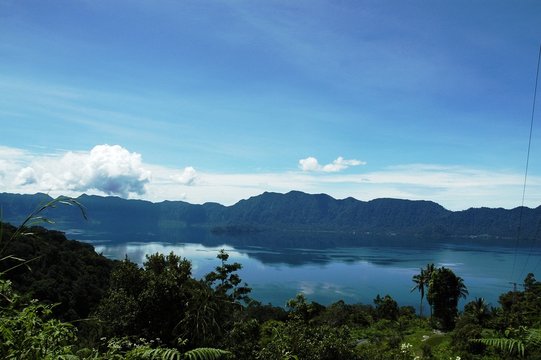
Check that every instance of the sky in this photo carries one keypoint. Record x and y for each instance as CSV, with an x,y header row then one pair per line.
x,y
218,101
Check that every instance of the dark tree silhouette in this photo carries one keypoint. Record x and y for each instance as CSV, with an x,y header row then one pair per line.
x,y
444,292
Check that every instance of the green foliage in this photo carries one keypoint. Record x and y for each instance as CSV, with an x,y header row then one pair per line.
x,y
243,340
147,302
299,309
67,273
461,335
340,313
444,291
478,311
36,217
262,313
187,318
226,281
162,300
386,308
522,308
305,341
522,342
203,319
146,353
30,332
205,354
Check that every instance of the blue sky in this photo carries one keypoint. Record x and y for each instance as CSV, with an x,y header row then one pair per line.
x,y
222,100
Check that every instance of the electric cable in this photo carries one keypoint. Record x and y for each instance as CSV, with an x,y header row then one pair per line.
x,y
519,231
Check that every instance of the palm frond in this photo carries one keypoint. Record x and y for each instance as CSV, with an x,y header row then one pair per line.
x,y
533,338
511,346
205,354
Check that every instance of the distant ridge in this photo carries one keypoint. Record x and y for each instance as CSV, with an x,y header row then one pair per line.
x,y
294,211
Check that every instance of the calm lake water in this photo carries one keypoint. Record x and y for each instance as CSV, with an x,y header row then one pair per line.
x,y
327,268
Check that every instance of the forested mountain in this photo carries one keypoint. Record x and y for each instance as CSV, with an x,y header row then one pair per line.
x,y
295,211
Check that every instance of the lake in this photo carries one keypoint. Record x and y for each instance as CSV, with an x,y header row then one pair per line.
x,y
332,267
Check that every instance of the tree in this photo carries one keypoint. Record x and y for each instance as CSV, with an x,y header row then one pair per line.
x,y
300,340
521,308
226,281
163,300
444,292
478,310
148,302
202,322
428,271
386,308
299,309
119,308
421,281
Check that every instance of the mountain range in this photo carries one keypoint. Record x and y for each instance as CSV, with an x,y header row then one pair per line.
x,y
293,211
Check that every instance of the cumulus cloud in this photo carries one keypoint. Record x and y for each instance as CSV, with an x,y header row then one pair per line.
x,y
188,176
26,176
312,164
110,169
309,164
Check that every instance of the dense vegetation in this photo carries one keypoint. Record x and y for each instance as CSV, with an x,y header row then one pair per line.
x,y
90,307
64,272
294,211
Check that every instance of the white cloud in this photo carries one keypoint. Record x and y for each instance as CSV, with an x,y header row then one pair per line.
x,y
309,164
107,169
26,176
110,169
188,176
114,170
341,164
312,164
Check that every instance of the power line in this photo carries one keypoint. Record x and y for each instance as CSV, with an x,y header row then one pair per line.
x,y
526,174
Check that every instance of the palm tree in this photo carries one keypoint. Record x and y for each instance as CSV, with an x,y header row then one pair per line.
x,y
462,290
421,282
478,310
428,271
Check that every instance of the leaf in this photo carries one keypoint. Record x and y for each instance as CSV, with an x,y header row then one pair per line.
x,y
510,346
205,354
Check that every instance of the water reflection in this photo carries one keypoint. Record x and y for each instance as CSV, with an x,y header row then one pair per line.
x,y
278,268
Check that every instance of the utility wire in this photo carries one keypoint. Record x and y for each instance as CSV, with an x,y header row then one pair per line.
x,y
526,174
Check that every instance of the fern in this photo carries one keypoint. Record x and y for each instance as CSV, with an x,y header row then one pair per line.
x,y
205,354
173,354
524,340
533,338
154,354
68,357
510,346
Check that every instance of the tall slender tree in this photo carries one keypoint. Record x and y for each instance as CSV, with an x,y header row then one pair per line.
x,y
421,282
429,270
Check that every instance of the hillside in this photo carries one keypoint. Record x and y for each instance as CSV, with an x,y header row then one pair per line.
x,y
295,211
